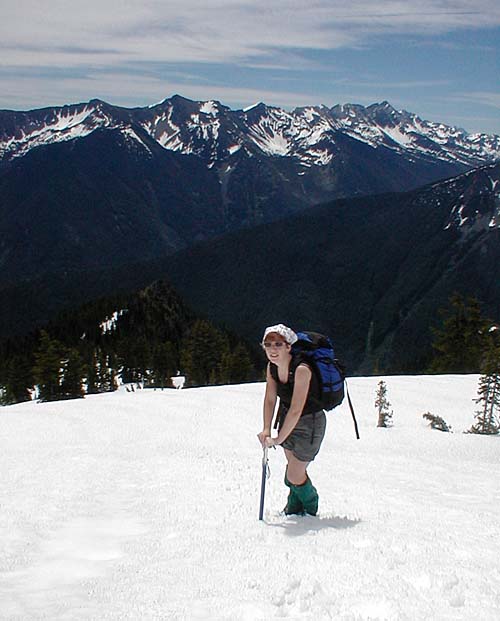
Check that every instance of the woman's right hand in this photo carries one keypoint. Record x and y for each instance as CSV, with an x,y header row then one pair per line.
x,y
262,437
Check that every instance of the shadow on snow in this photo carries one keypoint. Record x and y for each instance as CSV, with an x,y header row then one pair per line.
x,y
301,525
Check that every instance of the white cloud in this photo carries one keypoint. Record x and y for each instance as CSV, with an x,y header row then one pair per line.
x,y
134,53
136,90
108,32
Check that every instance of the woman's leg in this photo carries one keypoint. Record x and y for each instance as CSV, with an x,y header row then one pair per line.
x,y
301,488
296,469
293,505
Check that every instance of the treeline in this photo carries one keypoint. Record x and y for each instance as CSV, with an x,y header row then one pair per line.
x,y
146,338
150,336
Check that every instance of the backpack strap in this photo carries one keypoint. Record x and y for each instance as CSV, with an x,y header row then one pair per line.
x,y
295,362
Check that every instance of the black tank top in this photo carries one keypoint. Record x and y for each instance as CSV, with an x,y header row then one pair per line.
x,y
285,390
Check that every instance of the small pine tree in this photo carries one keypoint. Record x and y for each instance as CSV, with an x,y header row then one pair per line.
x,y
487,420
383,405
436,422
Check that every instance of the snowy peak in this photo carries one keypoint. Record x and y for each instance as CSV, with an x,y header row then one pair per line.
x,y
399,130
214,132
202,128
40,127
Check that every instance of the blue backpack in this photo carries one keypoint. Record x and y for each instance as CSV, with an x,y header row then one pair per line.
x,y
317,350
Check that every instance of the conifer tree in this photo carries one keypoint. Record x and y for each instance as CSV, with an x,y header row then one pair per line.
x,y
101,374
237,366
383,405
135,355
112,372
48,369
107,372
437,422
488,399
72,375
92,374
18,380
165,364
202,354
459,344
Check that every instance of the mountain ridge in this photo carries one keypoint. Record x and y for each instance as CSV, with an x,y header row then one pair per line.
x,y
212,130
269,162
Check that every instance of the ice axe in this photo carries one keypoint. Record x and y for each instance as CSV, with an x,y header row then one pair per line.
x,y
265,473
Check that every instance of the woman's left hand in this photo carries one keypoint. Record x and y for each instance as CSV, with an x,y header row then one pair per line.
x,y
270,442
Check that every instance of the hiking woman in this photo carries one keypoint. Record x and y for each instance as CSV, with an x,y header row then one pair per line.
x,y
300,421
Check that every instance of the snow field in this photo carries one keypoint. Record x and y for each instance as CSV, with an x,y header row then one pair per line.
x,y
144,506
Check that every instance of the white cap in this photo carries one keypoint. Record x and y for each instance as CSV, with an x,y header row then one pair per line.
x,y
287,333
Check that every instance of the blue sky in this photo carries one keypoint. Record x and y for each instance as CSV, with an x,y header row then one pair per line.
x,y
440,60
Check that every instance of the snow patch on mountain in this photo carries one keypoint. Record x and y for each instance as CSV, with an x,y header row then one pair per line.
x,y
110,323
62,126
132,137
210,108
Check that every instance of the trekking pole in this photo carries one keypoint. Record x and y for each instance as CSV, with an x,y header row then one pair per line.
x,y
265,471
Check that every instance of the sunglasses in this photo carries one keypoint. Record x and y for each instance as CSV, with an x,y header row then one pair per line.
x,y
268,344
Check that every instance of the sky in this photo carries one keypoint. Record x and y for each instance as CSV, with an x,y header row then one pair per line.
x,y
437,58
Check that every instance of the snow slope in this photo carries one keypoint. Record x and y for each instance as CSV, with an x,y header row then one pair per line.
x,y
132,506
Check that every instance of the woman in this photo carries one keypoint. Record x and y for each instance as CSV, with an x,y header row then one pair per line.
x,y
300,420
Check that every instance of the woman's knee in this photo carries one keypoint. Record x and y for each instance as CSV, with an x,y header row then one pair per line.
x,y
296,469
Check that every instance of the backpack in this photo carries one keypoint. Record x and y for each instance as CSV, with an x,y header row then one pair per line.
x,y
317,350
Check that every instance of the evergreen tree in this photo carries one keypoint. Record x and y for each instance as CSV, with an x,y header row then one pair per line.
x,y
72,375
18,380
237,366
112,372
107,372
92,374
487,416
383,405
459,344
203,353
101,372
436,422
135,355
165,364
48,369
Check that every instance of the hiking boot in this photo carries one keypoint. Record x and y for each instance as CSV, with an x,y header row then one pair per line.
x,y
293,505
307,495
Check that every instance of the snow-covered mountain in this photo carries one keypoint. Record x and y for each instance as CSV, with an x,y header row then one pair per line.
x,y
309,135
98,187
267,162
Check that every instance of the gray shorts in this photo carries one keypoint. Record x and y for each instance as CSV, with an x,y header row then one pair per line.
x,y
305,440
